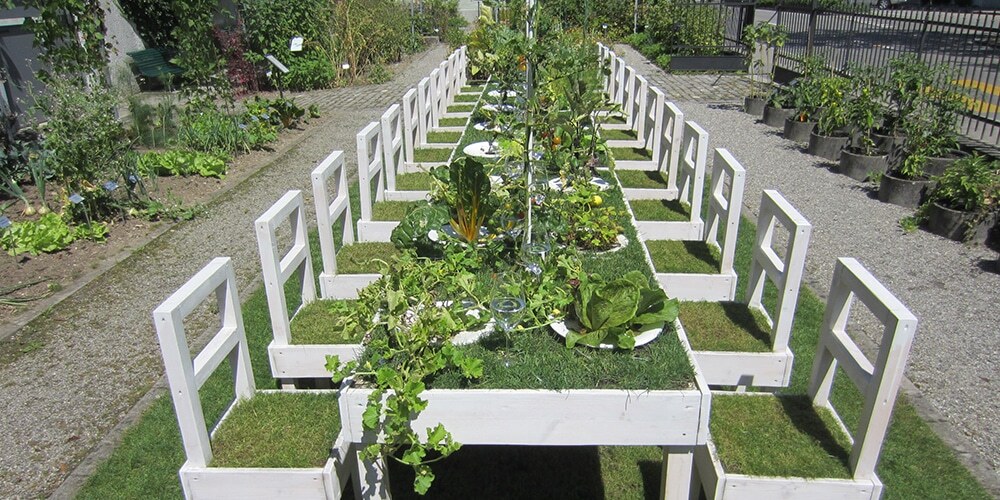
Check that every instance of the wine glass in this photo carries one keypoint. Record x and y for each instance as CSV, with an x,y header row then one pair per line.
x,y
507,314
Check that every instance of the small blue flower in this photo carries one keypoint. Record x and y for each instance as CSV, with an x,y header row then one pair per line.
x,y
537,155
243,126
110,186
133,179
75,198
4,222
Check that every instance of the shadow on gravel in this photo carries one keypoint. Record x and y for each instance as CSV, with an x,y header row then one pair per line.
x,y
989,266
869,189
728,107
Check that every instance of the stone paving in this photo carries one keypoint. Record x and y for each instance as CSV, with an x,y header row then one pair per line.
x,y
66,403
693,87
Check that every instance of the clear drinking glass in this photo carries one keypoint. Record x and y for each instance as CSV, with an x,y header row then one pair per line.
x,y
507,313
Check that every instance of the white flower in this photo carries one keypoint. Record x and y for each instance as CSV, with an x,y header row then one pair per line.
x,y
432,235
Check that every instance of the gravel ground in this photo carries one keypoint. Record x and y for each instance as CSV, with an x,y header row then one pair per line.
x,y
952,288
100,353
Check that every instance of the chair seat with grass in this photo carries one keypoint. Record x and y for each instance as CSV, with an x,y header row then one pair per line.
x,y
742,344
302,342
639,107
679,219
401,184
703,270
372,183
796,446
349,268
268,444
665,142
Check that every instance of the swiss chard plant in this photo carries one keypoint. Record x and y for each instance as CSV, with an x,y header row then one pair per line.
x,y
472,205
614,311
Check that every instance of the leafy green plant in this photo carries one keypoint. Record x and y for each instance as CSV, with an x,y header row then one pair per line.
x,y
48,234
584,221
419,229
182,162
833,114
761,39
471,207
971,184
378,73
865,107
806,91
406,343
612,312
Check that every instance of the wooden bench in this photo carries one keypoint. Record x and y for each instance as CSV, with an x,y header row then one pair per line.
x,y
152,63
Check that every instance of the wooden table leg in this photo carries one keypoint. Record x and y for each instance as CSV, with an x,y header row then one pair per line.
x,y
372,480
676,474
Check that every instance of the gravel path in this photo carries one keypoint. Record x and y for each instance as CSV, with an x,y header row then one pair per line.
x,y
952,288
101,355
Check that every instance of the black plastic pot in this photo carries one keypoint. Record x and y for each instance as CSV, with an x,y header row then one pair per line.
x,y
904,192
955,224
888,144
826,146
775,117
754,105
936,165
798,131
859,167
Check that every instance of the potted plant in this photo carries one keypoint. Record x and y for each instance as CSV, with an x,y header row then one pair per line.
x,y
807,98
829,137
931,128
779,107
963,205
865,113
906,79
761,39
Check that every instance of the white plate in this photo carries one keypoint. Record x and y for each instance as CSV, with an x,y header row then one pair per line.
x,y
498,94
556,184
563,327
472,336
479,150
503,108
484,127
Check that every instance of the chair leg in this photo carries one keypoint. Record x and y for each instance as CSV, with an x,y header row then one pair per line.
x,y
372,479
676,474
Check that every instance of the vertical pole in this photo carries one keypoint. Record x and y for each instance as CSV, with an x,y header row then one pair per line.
x,y
635,17
529,93
812,27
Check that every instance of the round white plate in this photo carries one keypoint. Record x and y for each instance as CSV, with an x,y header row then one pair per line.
x,y
480,150
557,184
498,94
503,108
563,327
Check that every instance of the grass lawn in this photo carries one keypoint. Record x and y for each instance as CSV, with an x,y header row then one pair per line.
x,y
615,118
631,154
619,135
642,179
661,210
392,210
416,181
694,257
358,257
444,137
452,122
725,326
466,98
314,324
473,89
431,155
460,108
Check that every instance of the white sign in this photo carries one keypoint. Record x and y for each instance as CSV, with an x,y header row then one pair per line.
x,y
296,45
276,63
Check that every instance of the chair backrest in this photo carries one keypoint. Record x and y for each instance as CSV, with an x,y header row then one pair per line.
x,y
653,123
639,107
186,375
784,271
671,139
612,78
879,383
278,268
441,90
691,175
620,81
629,88
425,109
725,202
453,88
411,124
331,210
370,168
462,65
392,144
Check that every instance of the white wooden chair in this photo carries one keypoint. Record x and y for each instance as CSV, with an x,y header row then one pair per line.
x,y
393,156
288,360
765,368
199,477
640,106
371,181
724,206
691,183
331,210
628,91
857,452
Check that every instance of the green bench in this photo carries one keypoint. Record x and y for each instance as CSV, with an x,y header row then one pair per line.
x,y
151,63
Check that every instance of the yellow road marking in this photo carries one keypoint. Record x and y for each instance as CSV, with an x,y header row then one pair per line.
x,y
978,85
980,106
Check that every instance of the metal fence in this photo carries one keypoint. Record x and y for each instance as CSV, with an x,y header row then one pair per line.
x,y
966,41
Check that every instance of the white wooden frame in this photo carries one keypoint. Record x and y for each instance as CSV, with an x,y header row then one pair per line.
x,y
371,170
628,91
879,384
393,156
675,420
767,369
329,211
691,182
724,208
639,106
186,376
425,110
290,361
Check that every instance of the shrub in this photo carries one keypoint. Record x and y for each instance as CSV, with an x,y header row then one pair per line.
x,y
270,26
663,61
379,74
686,29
